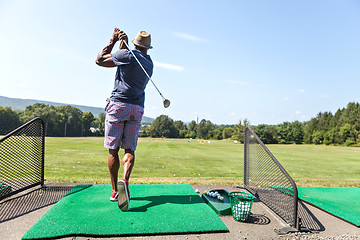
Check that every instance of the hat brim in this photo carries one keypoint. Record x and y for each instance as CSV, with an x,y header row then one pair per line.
x,y
136,43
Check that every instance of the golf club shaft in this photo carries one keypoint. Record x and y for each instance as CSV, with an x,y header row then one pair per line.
x,y
143,69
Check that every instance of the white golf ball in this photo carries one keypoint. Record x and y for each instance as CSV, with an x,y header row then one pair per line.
x,y
218,196
221,199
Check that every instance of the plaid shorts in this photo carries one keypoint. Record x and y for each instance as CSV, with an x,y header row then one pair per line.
x,y
122,125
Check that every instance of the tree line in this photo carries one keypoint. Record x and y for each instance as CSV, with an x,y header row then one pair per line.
x,y
62,121
341,128
164,126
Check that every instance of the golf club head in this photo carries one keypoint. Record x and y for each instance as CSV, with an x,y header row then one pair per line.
x,y
166,103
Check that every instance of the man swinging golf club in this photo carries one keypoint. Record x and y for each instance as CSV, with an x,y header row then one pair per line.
x,y
125,107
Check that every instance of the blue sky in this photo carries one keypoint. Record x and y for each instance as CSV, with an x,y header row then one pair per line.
x,y
224,61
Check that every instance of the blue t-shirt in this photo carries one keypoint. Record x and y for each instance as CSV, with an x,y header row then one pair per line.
x,y
130,80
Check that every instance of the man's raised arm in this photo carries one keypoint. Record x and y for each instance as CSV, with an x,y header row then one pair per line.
x,y
104,56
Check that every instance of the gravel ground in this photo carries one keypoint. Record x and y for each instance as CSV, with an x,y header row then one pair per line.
x,y
313,236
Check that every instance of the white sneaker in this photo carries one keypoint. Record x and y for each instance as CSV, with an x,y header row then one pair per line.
x,y
124,195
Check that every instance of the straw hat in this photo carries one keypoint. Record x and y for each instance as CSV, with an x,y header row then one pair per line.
x,y
143,39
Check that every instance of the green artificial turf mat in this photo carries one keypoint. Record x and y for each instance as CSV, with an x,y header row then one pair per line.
x,y
154,209
342,202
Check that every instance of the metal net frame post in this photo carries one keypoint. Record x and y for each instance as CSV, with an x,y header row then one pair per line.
x,y
266,178
22,154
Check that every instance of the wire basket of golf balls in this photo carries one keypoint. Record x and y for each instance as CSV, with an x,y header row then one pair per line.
x,y
241,203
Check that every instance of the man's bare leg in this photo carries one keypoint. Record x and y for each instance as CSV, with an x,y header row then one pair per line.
x,y
114,165
128,163
124,194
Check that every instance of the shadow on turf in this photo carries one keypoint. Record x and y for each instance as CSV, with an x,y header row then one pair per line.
x,y
30,201
159,200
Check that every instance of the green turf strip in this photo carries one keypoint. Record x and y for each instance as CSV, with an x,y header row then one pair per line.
x,y
340,201
154,209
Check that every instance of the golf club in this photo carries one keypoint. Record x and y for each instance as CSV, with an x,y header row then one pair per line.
x,y
166,102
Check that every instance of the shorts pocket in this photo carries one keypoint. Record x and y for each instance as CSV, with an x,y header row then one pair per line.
x,y
138,115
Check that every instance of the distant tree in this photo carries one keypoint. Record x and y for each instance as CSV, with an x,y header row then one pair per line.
x,y
297,132
227,132
345,132
290,132
181,127
216,134
9,120
341,128
87,119
283,133
192,126
100,120
48,113
266,133
331,136
239,130
317,137
204,129
310,127
71,120
163,126
191,132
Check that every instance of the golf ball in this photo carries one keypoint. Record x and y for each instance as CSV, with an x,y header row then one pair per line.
x,y
221,198
218,196
205,192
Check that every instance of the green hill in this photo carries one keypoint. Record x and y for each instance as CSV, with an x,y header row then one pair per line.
x,y
21,104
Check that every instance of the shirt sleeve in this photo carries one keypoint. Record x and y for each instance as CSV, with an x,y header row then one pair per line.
x,y
121,57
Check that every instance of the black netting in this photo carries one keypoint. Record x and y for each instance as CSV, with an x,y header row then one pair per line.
x,y
265,177
22,158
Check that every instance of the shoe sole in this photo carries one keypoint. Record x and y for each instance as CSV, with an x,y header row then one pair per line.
x,y
123,201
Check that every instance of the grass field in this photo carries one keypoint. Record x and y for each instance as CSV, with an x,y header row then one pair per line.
x,y
178,161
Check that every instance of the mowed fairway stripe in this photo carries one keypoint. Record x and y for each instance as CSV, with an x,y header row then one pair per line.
x,y
67,159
